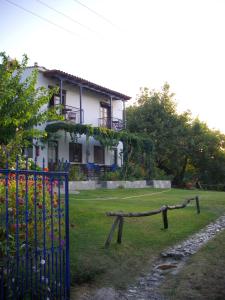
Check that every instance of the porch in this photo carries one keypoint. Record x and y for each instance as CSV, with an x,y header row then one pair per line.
x,y
76,115
111,123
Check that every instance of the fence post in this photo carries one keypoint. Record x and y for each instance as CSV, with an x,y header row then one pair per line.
x,y
197,204
164,216
67,283
109,239
120,230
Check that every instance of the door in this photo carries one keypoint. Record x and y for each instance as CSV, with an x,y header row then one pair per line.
x,y
105,115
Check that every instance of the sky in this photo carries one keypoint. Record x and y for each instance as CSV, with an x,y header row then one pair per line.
x,y
127,44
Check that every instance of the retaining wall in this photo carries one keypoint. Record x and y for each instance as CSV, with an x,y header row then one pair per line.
x,y
82,185
160,184
139,184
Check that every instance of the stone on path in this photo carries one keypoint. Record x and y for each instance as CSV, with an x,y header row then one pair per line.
x,y
105,294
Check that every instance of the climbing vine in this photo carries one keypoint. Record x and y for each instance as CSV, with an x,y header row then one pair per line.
x,y
135,147
107,138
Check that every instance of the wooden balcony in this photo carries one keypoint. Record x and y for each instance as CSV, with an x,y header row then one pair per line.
x,y
111,123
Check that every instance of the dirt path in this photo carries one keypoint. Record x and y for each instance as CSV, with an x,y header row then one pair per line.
x,y
171,261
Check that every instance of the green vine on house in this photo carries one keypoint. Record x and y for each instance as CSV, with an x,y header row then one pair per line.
x,y
136,148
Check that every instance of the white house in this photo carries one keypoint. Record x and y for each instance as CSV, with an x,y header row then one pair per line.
x,y
83,102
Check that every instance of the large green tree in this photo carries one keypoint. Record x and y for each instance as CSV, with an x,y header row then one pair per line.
x,y
184,148
155,115
207,153
21,105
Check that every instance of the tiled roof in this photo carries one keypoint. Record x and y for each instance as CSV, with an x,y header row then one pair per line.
x,y
85,83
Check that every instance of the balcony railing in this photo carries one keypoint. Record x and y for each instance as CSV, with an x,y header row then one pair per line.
x,y
111,123
72,114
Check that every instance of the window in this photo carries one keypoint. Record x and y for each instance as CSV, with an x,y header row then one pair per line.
x,y
99,155
105,114
28,150
75,152
52,151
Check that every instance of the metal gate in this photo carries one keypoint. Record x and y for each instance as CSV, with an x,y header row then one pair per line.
x,y
34,233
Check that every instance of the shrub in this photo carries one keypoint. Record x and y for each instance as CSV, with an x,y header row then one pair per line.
x,y
25,196
111,176
159,174
76,174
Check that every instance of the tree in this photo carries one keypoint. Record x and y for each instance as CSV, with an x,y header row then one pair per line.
x,y
21,105
156,116
184,148
207,153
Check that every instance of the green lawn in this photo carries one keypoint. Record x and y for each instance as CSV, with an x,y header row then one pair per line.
x,y
143,238
203,275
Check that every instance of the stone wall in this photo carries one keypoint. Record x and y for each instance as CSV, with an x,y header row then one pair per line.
x,y
138,184
82,185
160,184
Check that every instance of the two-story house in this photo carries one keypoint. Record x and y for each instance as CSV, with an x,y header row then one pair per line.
x,y
82,102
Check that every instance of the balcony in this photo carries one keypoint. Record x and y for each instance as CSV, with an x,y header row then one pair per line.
x,y
72,114
111,123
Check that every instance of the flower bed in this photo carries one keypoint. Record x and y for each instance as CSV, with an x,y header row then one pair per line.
x,y
31,227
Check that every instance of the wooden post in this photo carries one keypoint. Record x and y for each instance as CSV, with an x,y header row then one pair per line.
x,y
197,204
120,230
110,236
81,105
164,215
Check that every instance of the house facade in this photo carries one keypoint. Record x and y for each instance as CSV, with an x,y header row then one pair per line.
x,y
81,102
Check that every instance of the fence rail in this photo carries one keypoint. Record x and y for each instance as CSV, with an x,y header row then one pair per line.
x,y
119,220
34,233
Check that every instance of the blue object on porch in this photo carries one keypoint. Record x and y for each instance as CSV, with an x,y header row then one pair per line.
x,y
97,168
90,166
113,167
34,214
93,167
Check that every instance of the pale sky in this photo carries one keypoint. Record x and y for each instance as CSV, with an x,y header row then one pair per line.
x,y
128,44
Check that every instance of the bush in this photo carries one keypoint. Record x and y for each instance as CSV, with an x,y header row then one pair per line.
x,y
159,174
31,197
111,176
76,174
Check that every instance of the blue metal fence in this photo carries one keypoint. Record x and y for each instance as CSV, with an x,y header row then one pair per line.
x,y
34,233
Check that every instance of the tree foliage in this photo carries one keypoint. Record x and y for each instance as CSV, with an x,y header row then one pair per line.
x,y
183,148
208,153
21,104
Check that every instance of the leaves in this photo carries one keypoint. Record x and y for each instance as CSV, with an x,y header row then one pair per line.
x,y
183,147
21,103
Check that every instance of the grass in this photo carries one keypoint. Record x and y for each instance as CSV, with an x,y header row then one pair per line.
x,y
203,276
143,238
